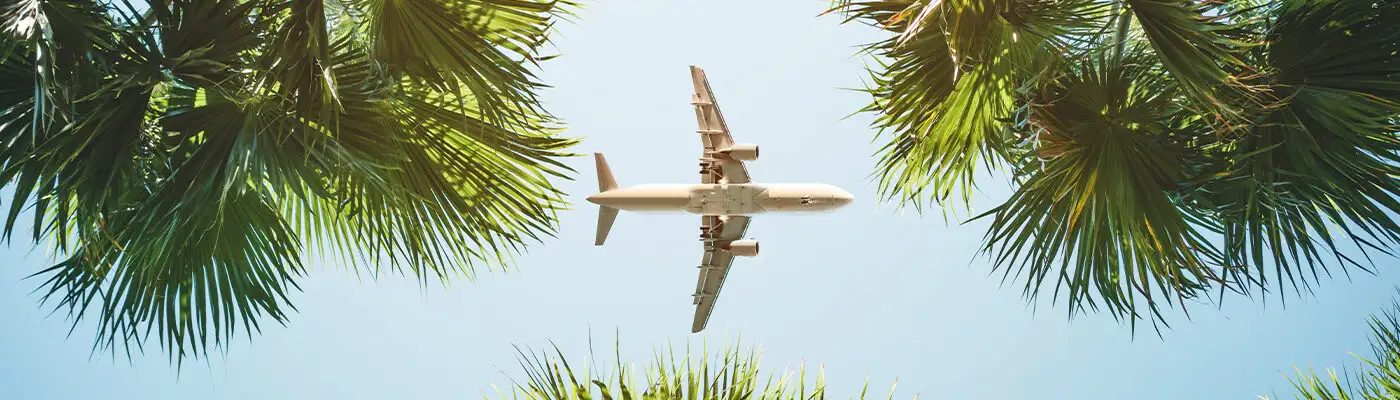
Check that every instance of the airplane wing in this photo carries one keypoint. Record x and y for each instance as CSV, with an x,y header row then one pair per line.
x,y
715,265
714,134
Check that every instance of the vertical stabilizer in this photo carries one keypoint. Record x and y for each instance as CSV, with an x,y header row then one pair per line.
x,y
606,215
605,175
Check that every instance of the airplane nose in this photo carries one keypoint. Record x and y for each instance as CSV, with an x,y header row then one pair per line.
x,y
840,197
843,197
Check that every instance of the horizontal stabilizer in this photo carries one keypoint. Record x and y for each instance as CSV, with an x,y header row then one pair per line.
x,y
606,216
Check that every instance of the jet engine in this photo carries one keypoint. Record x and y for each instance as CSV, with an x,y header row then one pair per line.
x,y
742,248
741,152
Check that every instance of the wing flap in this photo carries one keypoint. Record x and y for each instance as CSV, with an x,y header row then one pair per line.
x,y
714,134
714,267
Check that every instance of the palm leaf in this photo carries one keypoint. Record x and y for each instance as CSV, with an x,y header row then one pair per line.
x,y
195,261
409,171
1201,44
1325,158
473,45
184,184
298,59
733,373
1301,97
950,85
1378,376
1095,212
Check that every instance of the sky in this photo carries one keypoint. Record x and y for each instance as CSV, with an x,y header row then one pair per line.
x,y
868,291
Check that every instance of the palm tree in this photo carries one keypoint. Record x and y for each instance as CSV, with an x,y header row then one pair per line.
x,y
1377,378
1159,149
731,374
184,157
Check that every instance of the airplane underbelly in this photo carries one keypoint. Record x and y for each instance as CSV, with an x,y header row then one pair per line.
x,y
646,198
724,200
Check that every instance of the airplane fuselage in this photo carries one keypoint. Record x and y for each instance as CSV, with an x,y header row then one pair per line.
x,y
725,199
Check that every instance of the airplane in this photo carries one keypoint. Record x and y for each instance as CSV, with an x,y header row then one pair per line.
x,y
725,198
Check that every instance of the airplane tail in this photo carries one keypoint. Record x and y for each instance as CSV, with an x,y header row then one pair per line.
x,y
606,215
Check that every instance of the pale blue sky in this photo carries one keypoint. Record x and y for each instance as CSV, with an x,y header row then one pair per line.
x,y
864,291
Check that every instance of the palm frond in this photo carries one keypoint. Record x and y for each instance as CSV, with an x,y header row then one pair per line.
x,y
1376,378
299,55
1338,45
51,56
1300,98
183,187
1095,212
1321,167
59,37
950,85
416,180
1201,44
734,373
197,260
482,47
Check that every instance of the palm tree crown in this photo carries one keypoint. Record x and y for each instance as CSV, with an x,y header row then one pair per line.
x,y
1159,148
184,157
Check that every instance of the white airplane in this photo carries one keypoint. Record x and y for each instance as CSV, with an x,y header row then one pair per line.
x,y
725,198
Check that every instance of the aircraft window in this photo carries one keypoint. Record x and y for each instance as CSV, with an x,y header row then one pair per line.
x,y
806,199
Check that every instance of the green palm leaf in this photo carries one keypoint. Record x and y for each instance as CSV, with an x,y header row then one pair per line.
x,y
298,57
1325,157
184,186
1159,149
1201,43
733,373
1095,211
950,85
451,45
1378,376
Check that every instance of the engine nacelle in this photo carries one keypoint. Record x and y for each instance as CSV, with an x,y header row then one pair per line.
x,y
741,151
742,248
